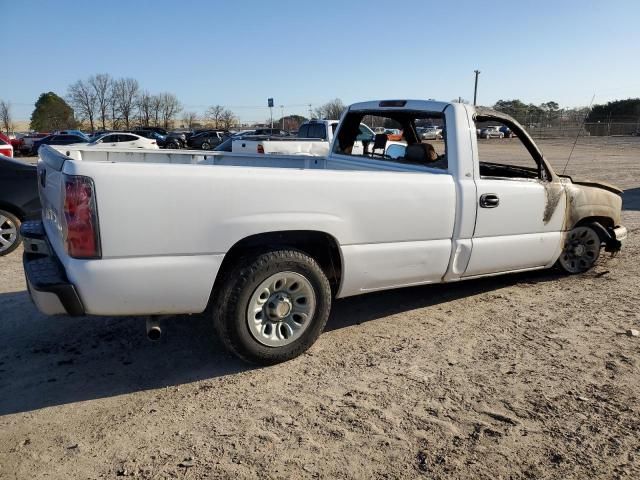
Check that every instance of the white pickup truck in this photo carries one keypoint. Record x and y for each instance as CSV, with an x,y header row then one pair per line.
x,y
314,138
268,241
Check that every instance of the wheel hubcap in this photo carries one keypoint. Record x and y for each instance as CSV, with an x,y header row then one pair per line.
x,y
281,309
8,233
581,250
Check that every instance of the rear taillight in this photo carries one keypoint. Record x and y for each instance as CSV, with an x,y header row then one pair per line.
x,y
80,231
153,143
260,149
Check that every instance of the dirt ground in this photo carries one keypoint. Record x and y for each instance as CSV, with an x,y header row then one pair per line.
x,y
521,376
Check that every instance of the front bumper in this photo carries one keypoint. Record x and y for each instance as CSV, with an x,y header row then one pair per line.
x,y
47,281
620,233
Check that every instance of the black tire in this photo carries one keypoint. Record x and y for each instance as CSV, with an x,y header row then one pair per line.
x,y
205,146
580,251
9,243
232,299
174,145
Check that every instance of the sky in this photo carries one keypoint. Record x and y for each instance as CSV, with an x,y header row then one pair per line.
x,y
239,53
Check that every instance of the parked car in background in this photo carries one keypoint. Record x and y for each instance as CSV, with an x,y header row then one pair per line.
x,y
161,140
508,133
177,139
73,132
123,140
5,146
16,141
19,200
430,133
159,130
393,134
28,140
227,144
270,131
206,140
314,138
491,132
58,140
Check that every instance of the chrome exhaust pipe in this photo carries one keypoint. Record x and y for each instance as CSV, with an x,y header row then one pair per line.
x,y
154,332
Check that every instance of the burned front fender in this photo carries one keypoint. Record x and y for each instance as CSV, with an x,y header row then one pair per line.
x,y
592,200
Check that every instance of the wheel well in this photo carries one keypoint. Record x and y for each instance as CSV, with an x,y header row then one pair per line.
x,y
319,245
606,222
13,210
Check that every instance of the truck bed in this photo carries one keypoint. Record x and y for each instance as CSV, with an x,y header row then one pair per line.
x,y
197,157
166,220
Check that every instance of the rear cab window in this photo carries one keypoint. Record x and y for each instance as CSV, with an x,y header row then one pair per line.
x,y
394,136
313,130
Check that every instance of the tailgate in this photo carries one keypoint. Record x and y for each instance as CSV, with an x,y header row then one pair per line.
x,y
50,189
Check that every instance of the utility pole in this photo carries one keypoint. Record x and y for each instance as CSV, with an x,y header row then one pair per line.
x,y
282,115
475,88
310,114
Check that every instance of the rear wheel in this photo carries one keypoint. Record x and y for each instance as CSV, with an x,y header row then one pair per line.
x,y
205,146
581,250
272,307
9,232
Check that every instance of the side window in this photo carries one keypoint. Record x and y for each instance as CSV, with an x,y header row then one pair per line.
x,y
502,154
127,138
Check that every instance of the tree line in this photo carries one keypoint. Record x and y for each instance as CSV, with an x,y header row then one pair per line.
x,y
103,101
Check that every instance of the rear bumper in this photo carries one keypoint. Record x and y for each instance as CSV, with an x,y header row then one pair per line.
x,y
48,285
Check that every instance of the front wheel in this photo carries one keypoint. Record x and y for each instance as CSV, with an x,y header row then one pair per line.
x,y
205,146
272,307
9,232
580,251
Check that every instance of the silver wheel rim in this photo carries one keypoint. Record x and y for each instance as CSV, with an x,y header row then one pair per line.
x,y
8,233
581,250
281,309
205,146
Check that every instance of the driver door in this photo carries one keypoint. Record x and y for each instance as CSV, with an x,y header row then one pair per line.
x,y
519,215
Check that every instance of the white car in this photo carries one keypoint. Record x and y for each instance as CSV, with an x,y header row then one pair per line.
x,y
490,132
123,140
268,241
431,133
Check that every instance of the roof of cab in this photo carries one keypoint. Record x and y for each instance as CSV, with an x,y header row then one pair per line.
x,y
426,105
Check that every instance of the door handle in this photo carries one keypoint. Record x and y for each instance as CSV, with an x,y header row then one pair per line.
x,y
489,200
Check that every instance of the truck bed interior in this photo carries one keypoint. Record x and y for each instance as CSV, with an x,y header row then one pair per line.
x,y
194,157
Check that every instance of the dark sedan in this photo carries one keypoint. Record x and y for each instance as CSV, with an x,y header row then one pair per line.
x,y
59,140
161,140
19,200
206,140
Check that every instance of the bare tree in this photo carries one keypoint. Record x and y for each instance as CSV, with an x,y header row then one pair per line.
x,y
331,110
156,109
170,108
101,85
145,108
189,119
126,93
83,100
5,115
113,105
214,113
227,118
